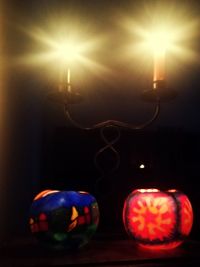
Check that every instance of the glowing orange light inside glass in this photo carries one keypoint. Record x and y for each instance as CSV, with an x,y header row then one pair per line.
x,y
45,193
155,218
148,190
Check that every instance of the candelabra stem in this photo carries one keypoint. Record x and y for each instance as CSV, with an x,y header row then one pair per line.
x,y
109,146
109,142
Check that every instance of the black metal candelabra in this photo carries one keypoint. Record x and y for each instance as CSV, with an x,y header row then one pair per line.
x,y
159,93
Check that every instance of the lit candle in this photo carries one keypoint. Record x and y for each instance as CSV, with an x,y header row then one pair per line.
x,y
159,66
159,41
69,80
67,53
65,84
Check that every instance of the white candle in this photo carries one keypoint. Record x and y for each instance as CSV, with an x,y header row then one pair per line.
x,y
159,66
68,80
65,80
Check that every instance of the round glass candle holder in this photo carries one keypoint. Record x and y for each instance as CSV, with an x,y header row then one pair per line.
x,y
64,219
158,219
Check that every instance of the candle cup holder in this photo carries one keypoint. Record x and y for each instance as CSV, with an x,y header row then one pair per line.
x,y
65,97
159,92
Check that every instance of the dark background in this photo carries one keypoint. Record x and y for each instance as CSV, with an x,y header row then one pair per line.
x,y
46,151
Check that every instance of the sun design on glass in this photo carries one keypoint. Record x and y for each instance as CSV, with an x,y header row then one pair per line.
x,y
152,218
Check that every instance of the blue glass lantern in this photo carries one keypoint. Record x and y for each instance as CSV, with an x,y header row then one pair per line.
x,y
64,219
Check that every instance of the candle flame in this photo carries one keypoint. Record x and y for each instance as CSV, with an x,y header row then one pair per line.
x,y
160,40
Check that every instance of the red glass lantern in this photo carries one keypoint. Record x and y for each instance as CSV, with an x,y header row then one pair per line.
x,y
158,219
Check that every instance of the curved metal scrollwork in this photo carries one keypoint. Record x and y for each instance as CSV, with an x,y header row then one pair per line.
x,y
104,126
114,122
109,146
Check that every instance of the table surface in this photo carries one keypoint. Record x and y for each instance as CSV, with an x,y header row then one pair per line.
x,y
107,253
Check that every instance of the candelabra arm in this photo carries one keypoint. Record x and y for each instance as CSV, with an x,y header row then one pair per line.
x,y
114,122
142,125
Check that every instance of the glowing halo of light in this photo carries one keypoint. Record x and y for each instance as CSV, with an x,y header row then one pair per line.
x,y
67,52
63,51
62,46
68,45
180,24
160,39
